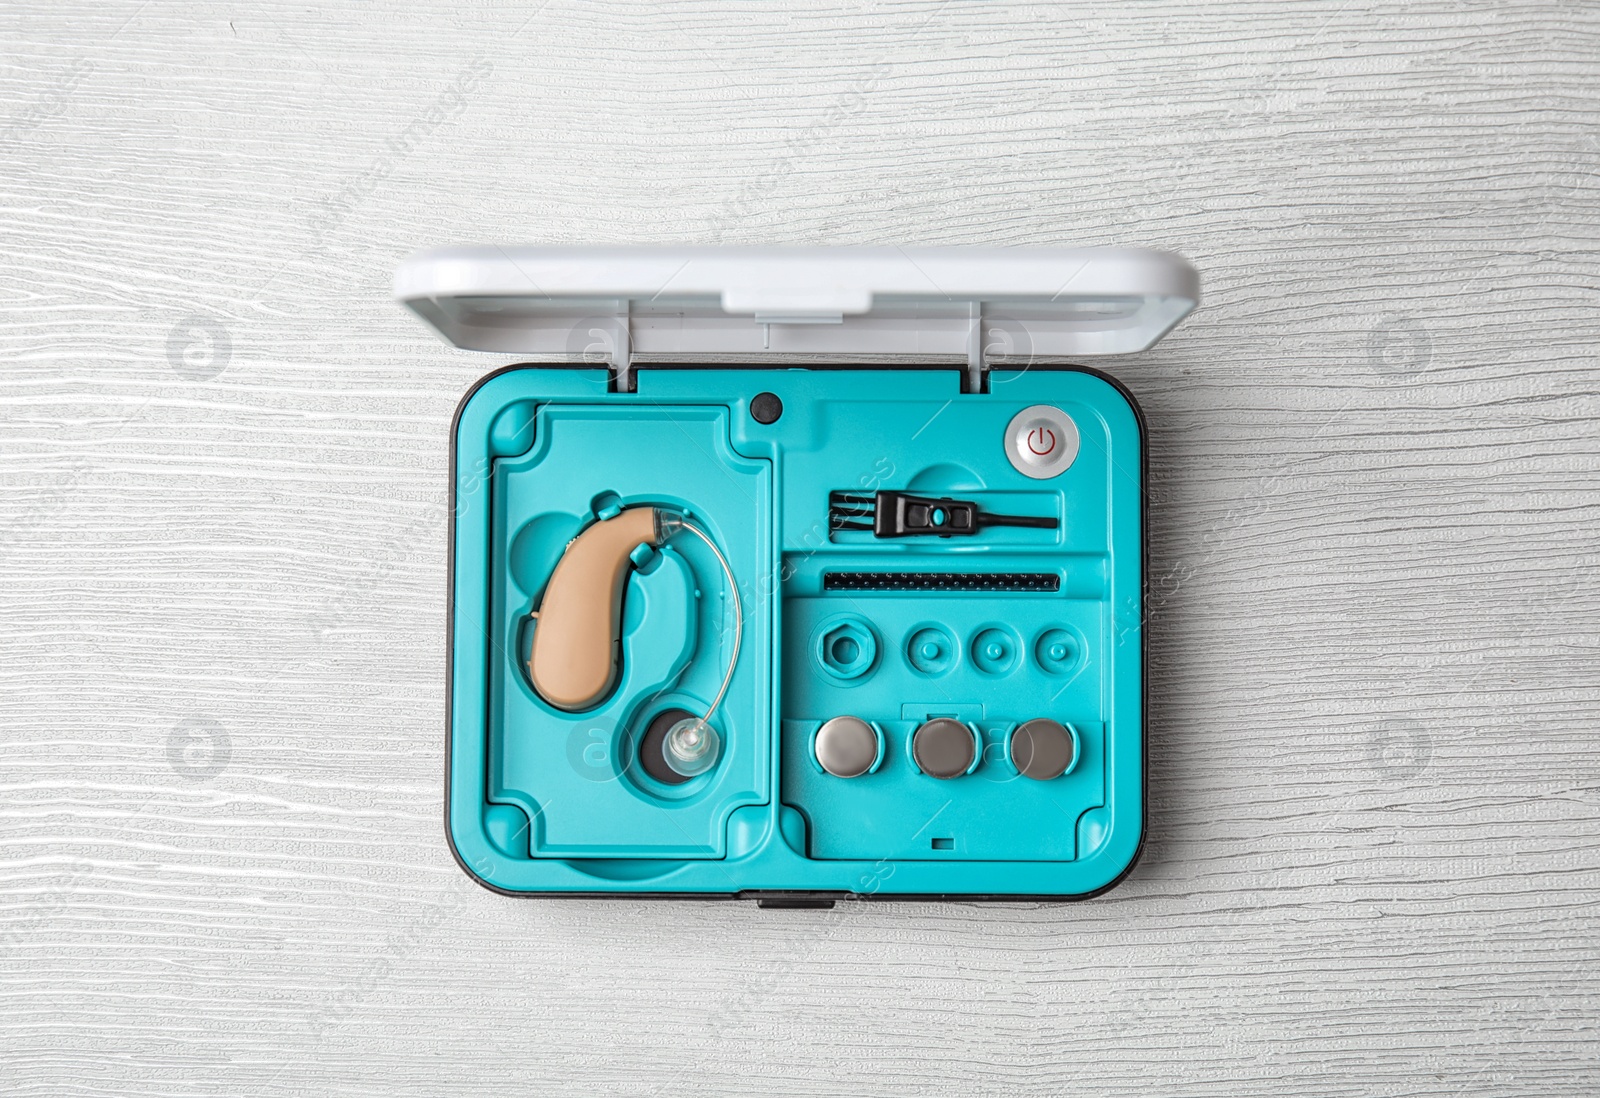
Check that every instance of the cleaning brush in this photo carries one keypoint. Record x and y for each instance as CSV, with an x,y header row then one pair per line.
x,y
899,515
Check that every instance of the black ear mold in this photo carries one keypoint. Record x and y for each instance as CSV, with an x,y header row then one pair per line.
x,y
653,746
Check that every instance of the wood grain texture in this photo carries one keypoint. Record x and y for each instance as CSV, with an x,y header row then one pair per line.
x,y
1374,854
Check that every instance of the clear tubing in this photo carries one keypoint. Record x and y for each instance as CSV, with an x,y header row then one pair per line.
x,y
670,522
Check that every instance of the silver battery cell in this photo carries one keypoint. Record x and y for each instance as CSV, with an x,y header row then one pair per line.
x,y
1042,749
944,748
847,747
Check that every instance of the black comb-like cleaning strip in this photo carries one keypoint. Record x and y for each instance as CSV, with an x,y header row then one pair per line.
x,y
941,581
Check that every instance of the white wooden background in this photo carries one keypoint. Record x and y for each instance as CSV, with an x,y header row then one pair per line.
x,y
1374,855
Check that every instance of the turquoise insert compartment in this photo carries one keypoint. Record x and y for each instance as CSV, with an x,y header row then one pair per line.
x,y
545,801
572,775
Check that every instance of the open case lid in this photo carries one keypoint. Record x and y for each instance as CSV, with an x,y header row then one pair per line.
x,y
619,304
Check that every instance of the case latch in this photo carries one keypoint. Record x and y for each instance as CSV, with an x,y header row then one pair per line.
x,y
768,319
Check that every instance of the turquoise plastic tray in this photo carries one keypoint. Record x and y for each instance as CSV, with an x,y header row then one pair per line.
x,y
544,801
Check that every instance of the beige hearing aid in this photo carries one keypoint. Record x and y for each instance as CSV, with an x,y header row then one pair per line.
x,y
576,643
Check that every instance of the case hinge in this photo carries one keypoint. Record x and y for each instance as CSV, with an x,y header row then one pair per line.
x,y
977,379
618,344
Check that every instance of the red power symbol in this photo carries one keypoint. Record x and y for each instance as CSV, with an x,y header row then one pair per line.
x,y
1041,435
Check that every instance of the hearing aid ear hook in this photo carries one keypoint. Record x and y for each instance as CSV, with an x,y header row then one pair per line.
x,y
577,653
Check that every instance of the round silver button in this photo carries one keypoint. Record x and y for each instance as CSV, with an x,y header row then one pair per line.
x,y
1042,749
944,748
1041,442
847,747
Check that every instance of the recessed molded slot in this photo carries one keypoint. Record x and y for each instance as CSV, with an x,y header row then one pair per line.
x,y
931,650
996,650
590,779
537,547
846,648
512,431
1058,651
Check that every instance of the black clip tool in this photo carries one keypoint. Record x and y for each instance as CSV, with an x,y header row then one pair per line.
x,y
898,515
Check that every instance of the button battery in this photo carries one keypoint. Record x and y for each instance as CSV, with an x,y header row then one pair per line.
x,y
847,747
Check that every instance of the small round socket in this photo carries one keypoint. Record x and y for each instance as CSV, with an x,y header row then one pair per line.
x,y
1057,651
996,650
931,650
846,649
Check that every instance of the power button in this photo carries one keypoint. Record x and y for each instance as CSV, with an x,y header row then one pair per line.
x,y
1041,442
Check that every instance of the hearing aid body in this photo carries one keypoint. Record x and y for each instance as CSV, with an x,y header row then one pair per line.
x,y
577,641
